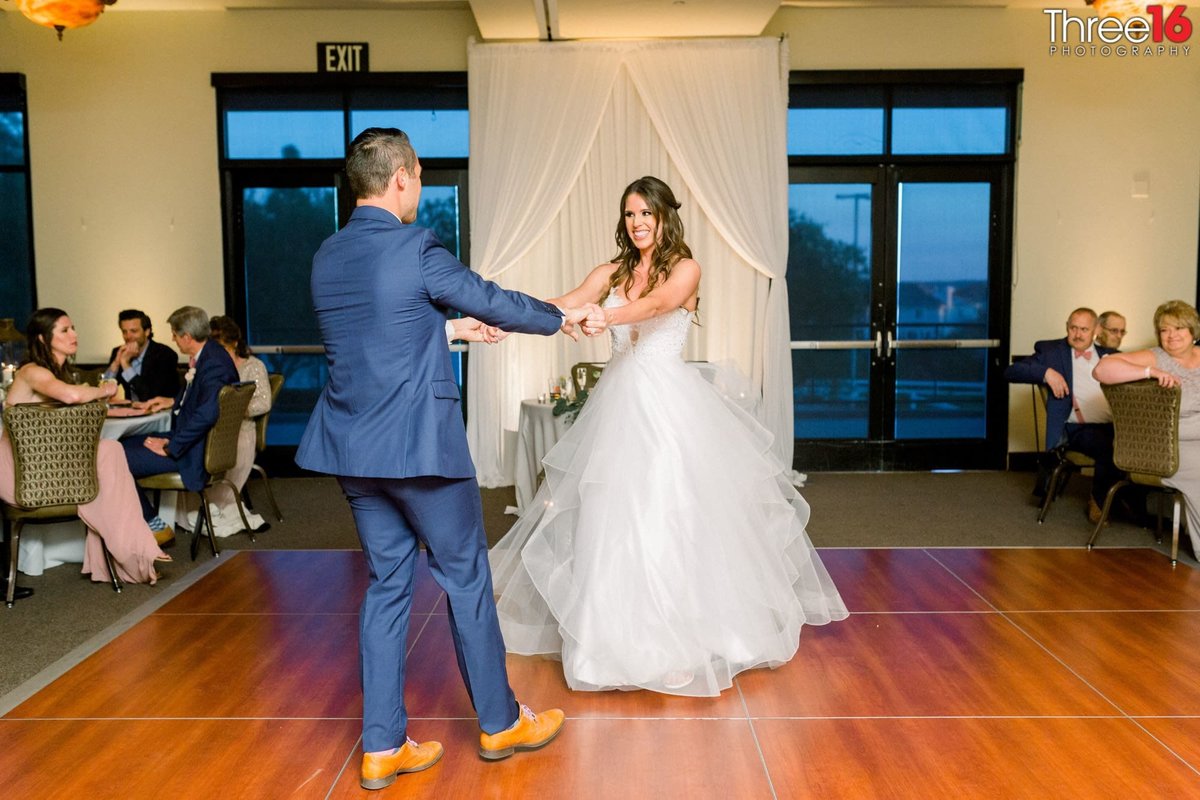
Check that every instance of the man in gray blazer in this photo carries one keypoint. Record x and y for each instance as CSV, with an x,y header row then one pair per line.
x,y
389,425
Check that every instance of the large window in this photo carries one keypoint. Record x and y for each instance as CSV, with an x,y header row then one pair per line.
x,y
900,211
283,143
17,296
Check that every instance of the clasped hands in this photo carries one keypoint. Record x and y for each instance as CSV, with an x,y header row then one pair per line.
x,y
126,353
590,318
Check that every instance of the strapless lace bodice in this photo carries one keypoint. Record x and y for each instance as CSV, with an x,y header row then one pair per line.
x,y
664,335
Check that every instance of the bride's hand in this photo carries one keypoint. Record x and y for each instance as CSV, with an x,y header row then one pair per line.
x,y
596,321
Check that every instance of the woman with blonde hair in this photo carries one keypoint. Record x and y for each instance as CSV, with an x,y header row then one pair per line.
x,y
666,548
1174,362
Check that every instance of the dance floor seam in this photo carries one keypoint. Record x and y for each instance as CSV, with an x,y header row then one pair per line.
x,y
956,670
636,718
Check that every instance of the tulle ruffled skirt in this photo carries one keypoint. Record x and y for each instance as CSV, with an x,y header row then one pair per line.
x,y
666,548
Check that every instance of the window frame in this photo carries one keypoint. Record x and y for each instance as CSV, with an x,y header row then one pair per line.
x,y
433,83
441,90
13,92
1009,80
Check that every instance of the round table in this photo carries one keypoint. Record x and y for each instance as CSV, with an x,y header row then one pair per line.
x,y
538,430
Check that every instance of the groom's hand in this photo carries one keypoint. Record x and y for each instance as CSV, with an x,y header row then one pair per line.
x,y
492,335
572,317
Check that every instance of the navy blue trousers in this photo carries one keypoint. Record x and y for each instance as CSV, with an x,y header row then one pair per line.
x,y
394,515
144,462
1096,440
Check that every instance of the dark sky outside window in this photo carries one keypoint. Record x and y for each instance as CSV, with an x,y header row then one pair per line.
x,y
16,288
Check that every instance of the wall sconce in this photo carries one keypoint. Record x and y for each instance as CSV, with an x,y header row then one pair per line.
x,y
62,14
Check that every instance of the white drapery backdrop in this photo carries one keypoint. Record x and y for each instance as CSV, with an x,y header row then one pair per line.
x,y
557,132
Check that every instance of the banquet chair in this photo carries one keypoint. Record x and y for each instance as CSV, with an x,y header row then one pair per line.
x,y
220,455
1068,462
54,458
260,424
1145,445
586,374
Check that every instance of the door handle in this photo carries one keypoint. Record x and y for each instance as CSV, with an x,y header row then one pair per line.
x,y
889,345
878,344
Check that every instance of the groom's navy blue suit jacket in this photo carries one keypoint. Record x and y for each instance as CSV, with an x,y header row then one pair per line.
x,y
1056,354
391,408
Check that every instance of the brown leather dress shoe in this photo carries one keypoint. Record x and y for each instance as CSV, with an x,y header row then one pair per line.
x,y
530,732
1093,511
381,771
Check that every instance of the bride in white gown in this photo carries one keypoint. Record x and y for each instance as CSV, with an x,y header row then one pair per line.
x,y
666,548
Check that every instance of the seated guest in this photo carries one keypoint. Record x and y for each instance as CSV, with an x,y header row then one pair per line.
x,y
195,411
144,368
1110,330
115,515
1077,415
1175,362
226,520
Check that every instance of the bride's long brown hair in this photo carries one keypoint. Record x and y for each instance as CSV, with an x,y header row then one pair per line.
x,y
668,250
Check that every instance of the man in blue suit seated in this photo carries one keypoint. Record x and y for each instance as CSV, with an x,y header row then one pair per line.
x,y
195,412
1077,415
389,425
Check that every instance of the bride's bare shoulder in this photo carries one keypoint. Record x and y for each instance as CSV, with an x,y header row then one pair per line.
x,y
605,270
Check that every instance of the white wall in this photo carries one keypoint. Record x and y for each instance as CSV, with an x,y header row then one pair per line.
x,y
124,153
123,148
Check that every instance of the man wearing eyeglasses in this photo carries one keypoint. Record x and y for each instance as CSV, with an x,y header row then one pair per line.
x,y
1110,330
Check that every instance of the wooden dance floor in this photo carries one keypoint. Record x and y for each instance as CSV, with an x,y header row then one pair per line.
x,y
960,673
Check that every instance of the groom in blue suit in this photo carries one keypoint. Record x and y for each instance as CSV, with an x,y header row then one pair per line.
x,y
389,425
1077,415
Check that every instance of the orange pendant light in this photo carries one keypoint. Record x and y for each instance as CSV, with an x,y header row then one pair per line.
x,y
62,14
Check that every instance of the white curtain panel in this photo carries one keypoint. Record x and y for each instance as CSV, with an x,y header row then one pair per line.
x,y
557,132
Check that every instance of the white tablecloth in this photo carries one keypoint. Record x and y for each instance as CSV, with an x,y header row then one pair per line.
x,y
538,430
45,546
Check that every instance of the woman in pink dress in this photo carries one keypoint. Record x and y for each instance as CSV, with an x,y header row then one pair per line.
x,y
115,515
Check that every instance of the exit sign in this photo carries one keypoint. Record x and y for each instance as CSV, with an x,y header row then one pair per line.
x,y
342,57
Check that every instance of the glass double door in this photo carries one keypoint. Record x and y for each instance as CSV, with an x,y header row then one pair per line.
x,y
897,280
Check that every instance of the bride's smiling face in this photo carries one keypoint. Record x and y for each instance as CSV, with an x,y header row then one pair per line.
x,y
640,223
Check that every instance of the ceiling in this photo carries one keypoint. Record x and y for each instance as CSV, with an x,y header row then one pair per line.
x,y
584,19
